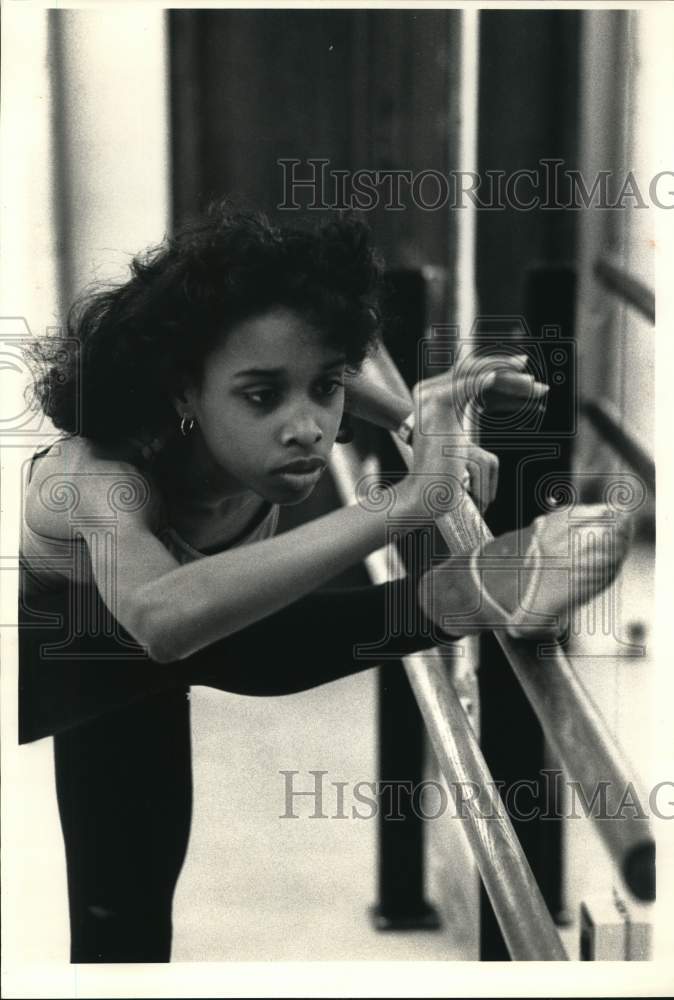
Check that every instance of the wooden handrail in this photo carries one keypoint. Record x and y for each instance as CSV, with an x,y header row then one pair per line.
x,y
525,922
626,286
574,727
570,720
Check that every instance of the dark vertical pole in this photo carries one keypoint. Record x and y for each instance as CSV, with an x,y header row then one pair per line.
x,y
401,904
528,114
512,740
550,307
188,125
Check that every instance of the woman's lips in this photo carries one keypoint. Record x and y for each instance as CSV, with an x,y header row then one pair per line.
x,y
301,474
303,465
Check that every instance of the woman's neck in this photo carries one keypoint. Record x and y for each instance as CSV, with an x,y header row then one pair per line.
x,y
191,477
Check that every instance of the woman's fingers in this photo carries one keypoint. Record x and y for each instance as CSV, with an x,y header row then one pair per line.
x,y
489,477
515,383
478,486
478,374
496,383
480,476
506,391
493,477
471,377
481,365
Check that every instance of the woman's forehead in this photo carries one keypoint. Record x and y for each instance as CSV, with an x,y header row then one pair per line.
x,y
279,338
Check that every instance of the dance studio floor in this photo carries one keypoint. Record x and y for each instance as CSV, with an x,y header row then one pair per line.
x,y
260,887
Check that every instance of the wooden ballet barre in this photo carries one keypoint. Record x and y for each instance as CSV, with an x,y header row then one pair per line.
x,y
525,922
576,730
626,286
569,718
606,423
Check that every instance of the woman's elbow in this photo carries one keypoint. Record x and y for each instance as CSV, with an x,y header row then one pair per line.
x,y
148,624
161,652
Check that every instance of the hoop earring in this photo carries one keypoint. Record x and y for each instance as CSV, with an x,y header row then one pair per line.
x,y
186,425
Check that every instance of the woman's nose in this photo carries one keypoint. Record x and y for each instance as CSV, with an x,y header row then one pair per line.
x,y
302,429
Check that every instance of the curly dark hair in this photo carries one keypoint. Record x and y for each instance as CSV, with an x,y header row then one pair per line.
x,y
133,346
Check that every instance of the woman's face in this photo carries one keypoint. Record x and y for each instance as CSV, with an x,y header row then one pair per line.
x,y
269,407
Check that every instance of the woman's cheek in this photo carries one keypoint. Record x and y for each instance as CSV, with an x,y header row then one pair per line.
x,y
250,445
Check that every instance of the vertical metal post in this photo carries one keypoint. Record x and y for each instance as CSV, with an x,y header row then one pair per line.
x,y
400,871
540,74
512,739
401,904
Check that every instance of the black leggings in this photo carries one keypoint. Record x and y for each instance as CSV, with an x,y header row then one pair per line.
x,y
124,788
122,740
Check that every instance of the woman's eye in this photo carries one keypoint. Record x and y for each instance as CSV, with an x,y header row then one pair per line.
x,y
261,397
330,386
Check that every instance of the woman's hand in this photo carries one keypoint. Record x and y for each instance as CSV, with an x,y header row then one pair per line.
x,y
443,454
441,446
496,383
493,383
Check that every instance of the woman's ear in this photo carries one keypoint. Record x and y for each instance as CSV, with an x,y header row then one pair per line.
x,y
183,402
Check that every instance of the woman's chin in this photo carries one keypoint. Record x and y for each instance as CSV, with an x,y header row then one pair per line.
x,y
288,495
290,499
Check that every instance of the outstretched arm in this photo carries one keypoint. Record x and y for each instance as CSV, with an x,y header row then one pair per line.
x,y
316,640
172,610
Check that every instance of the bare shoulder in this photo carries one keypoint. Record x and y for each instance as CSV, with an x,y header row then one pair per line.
x,y
77,478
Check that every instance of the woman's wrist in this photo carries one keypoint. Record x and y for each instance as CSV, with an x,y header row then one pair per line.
x,y
409,501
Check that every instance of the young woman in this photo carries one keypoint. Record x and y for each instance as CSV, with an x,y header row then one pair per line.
x,y
201,396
